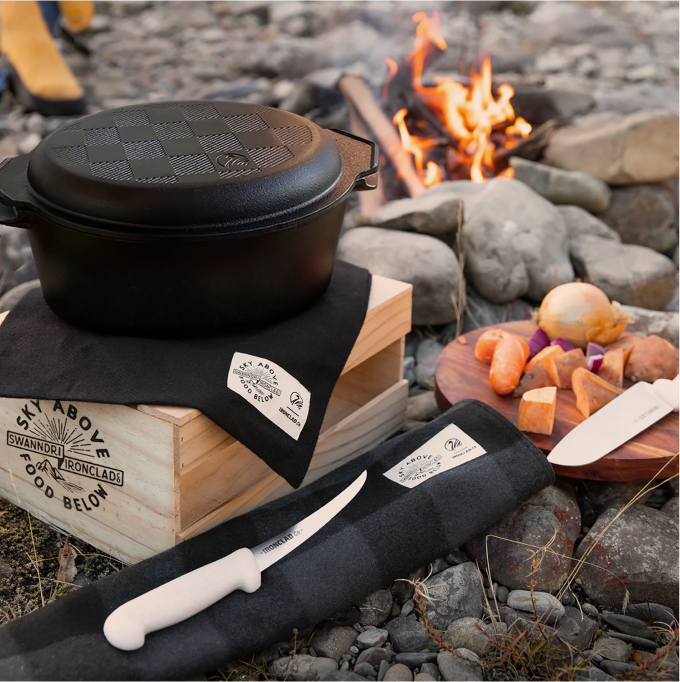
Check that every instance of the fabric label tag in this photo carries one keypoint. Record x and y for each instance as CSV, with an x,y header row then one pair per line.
x,y
447,450
276,394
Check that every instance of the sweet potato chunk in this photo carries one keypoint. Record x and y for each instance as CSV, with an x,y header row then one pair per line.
x,y
508,363
561,367
486,345
543,356
611,369
592,392
537,410
625,342
652,358
537,377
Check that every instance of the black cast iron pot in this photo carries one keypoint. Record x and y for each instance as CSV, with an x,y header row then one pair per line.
x,y
184,217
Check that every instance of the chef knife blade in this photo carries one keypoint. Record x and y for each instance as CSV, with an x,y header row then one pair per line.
x,y
195,591
617,422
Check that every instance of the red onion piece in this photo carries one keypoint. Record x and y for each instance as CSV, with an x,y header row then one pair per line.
x,y
595,362
538,342
564,345
594,349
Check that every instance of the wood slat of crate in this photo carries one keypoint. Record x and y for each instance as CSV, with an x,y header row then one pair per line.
x,y
180,473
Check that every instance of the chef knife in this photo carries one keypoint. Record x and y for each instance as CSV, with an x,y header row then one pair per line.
x,y
632,412
195,591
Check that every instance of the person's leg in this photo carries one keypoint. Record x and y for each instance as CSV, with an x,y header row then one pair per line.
x,y
39,76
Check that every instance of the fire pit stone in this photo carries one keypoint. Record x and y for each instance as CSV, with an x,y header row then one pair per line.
x,y
630,274
563,187
434,214
579,222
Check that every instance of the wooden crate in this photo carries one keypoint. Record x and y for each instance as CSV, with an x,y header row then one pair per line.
x,y
163,474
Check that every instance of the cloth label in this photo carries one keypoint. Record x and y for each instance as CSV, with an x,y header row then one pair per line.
x,y
450,448
270,389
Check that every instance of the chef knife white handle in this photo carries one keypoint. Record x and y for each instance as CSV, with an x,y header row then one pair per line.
x,y
668,391
181,598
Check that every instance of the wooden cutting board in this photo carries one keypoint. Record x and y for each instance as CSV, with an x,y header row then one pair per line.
x,y
460,375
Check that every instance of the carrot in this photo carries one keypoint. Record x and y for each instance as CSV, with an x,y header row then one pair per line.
x,y
537,410
537,377
486,345
561,367
611,369
543,356
652,358
508,361
592,392
626,342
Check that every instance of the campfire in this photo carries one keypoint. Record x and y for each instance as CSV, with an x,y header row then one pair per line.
x,y
431,128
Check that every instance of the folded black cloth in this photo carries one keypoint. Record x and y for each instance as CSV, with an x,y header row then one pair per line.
x,y
416,505
267,387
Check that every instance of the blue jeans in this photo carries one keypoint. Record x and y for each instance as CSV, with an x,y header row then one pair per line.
x,y
51,14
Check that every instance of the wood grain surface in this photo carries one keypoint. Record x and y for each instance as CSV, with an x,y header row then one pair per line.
x,y
460,375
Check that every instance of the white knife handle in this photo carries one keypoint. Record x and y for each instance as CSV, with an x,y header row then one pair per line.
x,y
668,391
181,598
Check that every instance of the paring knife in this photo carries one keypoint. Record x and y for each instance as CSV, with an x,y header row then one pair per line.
x,y
195,591
632,412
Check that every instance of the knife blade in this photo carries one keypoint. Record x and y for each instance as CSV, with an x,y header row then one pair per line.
x,y
623,418
187,595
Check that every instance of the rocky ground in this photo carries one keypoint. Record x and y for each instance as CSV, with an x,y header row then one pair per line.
x,y
606,211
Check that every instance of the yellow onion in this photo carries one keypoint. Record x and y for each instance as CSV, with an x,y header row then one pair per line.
x,y
578,313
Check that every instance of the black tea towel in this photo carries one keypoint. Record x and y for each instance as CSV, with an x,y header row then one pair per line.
x,y
267,387
427,492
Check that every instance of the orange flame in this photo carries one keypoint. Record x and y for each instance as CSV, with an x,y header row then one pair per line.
x,y
470,115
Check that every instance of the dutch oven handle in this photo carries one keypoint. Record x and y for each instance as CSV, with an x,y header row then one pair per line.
x,y
363,161
14,194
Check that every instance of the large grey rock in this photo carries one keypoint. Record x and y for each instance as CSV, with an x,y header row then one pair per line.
x,y
474,634
534,229
492,264
660,322
553,511
434,214
398,673
426,361
672,507
629,274
645,215
423,261
563,187
544,606
409,634
576,628
302,667
422,407
579,223
627,625
453,594
13,296
640,549
463,190
641,147
612,649
375,608
334,641
452,667
651,613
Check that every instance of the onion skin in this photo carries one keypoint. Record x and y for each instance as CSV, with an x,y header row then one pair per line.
x,y
578,313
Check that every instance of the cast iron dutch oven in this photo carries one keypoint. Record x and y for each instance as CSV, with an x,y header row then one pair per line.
x,y
184,217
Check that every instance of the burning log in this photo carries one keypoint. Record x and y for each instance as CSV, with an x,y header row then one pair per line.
x,y
359,95
531,147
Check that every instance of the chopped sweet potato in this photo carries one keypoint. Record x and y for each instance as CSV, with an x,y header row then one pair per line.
x,y
508,363
486,345
561,367
592,391
625,342
543,356
537,410
652,358
537,377
611,369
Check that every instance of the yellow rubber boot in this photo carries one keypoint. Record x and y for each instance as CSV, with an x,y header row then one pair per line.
x,y
40,78
77,14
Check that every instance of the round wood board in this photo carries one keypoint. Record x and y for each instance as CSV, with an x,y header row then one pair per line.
x,y
460,375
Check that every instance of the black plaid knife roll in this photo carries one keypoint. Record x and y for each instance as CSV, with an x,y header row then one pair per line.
x,y
385,532
267,387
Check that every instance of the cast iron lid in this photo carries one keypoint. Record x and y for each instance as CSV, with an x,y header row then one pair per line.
x,y
193,166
